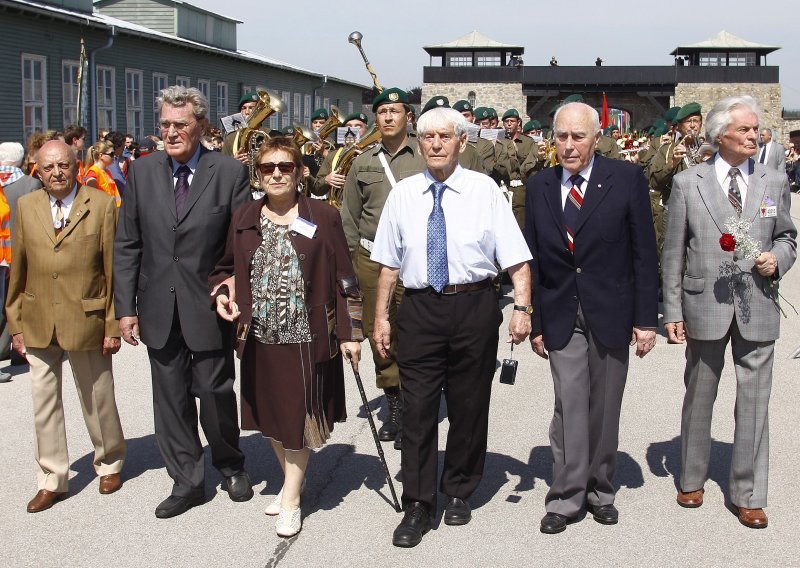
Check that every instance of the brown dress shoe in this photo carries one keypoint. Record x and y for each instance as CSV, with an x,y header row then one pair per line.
x,y
44,499
110,483
690,500
752,518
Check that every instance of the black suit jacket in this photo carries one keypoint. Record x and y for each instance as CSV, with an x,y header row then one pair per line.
x,y
162,261
614,271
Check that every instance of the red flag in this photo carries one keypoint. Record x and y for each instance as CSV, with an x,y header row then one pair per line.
x,y
604,119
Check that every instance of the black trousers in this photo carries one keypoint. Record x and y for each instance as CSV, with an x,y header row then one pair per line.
x,y
450,343
179,376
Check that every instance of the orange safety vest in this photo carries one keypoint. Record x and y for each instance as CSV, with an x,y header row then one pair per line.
x,y
104,182
5,228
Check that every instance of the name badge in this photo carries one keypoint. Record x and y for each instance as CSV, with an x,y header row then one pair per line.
x,y
305,228
770,211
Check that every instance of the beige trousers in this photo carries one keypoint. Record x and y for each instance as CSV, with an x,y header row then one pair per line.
x,y
95,383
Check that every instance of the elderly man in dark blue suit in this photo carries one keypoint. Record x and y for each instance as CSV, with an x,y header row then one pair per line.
x,y
590,231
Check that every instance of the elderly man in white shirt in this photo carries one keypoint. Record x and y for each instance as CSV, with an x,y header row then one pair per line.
x,y
441,233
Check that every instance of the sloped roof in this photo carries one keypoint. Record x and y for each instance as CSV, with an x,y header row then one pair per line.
x,y
102,3
726,40
474,40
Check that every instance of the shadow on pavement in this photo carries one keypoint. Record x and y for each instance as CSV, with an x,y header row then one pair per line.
x,y
142,455
664,460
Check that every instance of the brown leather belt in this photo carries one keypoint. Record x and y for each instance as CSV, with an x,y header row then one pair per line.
x,y
471,287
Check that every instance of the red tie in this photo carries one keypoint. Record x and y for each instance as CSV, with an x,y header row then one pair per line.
x,y
572,208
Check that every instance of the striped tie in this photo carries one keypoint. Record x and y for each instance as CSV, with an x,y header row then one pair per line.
x,y
572,208
181,187
734,195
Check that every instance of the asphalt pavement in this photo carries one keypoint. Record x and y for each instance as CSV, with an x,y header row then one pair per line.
x,y
347,514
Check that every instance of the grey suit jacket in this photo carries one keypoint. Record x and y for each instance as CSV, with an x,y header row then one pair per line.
x,y
775,158
707,287
162,261
14,191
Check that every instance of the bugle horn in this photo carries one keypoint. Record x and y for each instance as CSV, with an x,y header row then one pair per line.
x,y
355,38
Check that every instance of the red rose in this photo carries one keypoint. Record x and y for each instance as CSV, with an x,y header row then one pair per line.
x,y
727,242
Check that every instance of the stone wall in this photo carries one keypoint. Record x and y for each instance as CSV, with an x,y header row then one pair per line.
x,y
500,96
768,96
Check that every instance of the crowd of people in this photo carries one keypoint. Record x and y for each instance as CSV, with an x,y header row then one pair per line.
x,y
291,253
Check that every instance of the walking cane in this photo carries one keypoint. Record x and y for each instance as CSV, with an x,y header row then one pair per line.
x,y
397,506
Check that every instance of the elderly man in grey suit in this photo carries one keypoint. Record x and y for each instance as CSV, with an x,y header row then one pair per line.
x,y
713,297
771,153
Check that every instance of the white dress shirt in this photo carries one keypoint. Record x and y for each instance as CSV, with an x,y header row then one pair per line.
x,y
566,186
192,163
765,149
66,205
480,229
723,168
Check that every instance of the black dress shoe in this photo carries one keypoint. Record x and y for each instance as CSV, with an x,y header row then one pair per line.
x,y
239,486
553,523
416,522
604,514
457,512
173,506
398,440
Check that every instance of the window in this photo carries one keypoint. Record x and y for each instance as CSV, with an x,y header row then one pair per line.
x,y
317,102
222,99
471,98
34,87
712,59
459,59
307,110
273,121
159,83
488,59
134,109
297,107
181,81
286,115
105,98
204,86
69,92
326,104
747,58
349,107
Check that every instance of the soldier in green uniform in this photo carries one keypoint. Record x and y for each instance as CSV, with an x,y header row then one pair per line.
x,y
328,176
484,148
373,175
247,104
517,156
469,158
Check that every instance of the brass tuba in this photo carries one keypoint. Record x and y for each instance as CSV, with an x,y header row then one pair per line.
x,y
301,136
335,120
345,162
250,138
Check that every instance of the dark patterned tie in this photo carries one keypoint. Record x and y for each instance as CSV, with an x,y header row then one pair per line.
x,y
181,187
572,208
734,195
438,273
763,157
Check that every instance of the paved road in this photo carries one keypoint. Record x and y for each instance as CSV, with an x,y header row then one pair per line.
x,y
347,517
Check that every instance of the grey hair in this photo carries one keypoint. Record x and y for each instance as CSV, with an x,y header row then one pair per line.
x,y
591,111
11,154
439,118
719,117
771,133
178,96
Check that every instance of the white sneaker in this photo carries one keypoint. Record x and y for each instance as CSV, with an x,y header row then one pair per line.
x,y
288,522
275,507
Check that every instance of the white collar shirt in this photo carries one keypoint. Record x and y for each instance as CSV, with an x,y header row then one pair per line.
x,y
192,163
566,185
765,150
480,229
723,168
66,205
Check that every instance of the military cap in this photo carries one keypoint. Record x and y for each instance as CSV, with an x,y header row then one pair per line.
x,y
669,116
659,127
482,113
527,127
688,110
356,116
511,113
288,131
275,133
575,98
434,102
248,97
607,130
392,95
536,124
492,112
462,106
320,113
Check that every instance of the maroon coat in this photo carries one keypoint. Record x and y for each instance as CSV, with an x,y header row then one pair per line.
x,y
332,297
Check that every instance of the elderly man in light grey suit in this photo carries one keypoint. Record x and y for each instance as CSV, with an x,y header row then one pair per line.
x,y
770,152
713,297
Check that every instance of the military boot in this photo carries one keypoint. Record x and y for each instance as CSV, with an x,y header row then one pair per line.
x,y
394,400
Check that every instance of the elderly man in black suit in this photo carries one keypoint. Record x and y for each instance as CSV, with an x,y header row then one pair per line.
x,y
172,230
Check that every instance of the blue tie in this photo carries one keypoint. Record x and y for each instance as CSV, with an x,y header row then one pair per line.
x,y
438,275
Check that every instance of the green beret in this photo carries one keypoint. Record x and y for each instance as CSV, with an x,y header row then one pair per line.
x,y
288,131
356,116
248,97
651,131
462,106
659,127
536,124
576,98
435,102
607,130
527,127
275,133
492,112
688,110
387,96
511,113
320,113
482,113
669,116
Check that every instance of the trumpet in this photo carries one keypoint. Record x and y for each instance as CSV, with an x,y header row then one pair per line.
x,y
691,144
344,161
355,38
250,138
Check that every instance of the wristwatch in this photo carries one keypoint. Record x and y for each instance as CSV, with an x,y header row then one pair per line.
x,y
527,309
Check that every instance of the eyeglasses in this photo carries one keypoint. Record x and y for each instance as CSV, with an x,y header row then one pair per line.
x,y
390,111
179,126
267,168
111,153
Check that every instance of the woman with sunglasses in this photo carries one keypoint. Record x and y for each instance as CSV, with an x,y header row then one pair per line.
x,y
100,156
287,280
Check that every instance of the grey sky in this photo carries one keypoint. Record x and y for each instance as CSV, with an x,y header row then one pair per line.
x,y
313,34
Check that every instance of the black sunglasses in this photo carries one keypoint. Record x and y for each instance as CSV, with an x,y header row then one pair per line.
x,y
269,167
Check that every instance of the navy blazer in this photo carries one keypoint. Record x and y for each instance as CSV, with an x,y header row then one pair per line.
x,y
614,271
